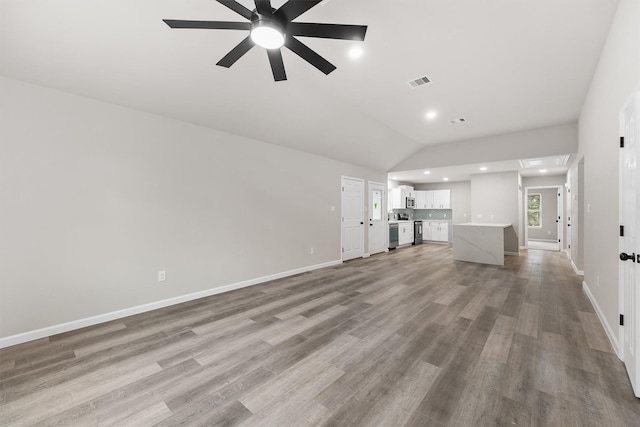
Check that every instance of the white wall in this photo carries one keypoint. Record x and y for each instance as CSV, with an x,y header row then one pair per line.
x,y
617,74
495,199
96,199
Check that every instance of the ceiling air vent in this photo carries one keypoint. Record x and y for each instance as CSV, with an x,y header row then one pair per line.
x,y
459,120
419,82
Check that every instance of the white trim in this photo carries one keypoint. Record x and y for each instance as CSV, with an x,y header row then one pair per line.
x,y
543,240
366,255
575,269
512,253
119,314
603,321
364,205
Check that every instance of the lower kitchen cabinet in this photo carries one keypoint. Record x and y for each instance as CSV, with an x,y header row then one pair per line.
x,y
436,231
440,231
405,233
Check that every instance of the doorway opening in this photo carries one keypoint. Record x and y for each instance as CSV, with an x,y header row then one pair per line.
x,y
543,218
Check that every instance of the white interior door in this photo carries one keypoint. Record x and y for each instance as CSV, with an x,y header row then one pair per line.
x,y
352,218
630,241
568,199
377,215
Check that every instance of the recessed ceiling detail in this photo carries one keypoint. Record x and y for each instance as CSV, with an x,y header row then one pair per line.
x,y
419,82
542,162
458,120
271,29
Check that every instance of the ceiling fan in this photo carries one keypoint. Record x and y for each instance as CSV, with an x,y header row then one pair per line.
x,y
272,29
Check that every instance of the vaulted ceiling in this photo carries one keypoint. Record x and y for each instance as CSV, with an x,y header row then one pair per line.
x,y
503,65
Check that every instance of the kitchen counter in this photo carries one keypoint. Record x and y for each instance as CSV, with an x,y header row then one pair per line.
x,y
479,242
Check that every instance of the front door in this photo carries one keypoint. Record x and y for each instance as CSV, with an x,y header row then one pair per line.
x,y
352,218
377,212
630,239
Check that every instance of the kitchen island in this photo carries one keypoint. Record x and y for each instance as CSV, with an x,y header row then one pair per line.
x,y
483,243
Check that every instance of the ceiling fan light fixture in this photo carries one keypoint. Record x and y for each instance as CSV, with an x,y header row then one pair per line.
x,y
267,33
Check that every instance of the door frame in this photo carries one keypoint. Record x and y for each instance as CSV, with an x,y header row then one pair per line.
x,y
568,215
384,218
621,284
342,178
559,213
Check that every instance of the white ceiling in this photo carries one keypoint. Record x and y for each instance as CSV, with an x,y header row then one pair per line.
x,y
504,65
464,172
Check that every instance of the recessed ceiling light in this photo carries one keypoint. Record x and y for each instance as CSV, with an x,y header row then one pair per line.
x,y
483,168
445,179
355,52
394,177
427,172
542,170
431,115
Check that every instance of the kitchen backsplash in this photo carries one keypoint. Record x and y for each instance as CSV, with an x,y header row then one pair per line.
x,y
429,214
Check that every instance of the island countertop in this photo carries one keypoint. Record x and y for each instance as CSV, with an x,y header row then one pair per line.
x,y
484,224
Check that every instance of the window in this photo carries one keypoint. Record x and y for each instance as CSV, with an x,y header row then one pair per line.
x,y
534,211
376,205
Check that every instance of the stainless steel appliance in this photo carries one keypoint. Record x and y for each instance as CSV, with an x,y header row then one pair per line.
x,y
417,232
410,203
393,235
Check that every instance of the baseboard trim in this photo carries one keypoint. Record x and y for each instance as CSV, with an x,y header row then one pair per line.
x,y
512,253
575,269
114,315
607,328
366,255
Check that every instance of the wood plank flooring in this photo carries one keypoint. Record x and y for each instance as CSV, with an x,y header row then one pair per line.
x,y
407,338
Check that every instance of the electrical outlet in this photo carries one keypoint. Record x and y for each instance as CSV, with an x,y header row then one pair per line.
x,y
162,276
491,216
333,208
311,251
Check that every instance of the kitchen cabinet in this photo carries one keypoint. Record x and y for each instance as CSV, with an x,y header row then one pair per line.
x,y
426,231
439,231
398,197
405,233
421,200
442,199
433,199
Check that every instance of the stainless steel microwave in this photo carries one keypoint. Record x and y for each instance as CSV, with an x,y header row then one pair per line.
x,y
411,203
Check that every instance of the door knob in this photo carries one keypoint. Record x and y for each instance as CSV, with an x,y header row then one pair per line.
x,y
361,222
370,225
625,257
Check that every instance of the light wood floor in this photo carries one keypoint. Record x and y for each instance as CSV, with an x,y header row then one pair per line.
x,y
405,338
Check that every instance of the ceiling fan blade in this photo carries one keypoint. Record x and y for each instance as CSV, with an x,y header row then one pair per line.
x,y
236,53
327,31
277,65
304,52
294,8
263,7
237,8
210,25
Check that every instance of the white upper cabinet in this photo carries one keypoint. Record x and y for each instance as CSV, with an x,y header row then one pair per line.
x,y
421,200
398,197
442,199
433,199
